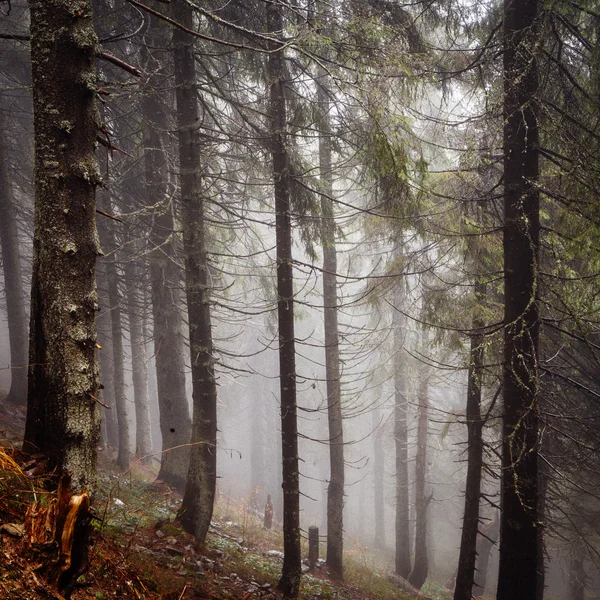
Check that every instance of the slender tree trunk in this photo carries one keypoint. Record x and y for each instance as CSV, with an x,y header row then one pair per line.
x,y
378,481
139,357
175,422
257,457
335,494
13,282
468,544
418,575
485,543
107,373
543,481
198,500
577,574
403,566
62,410
290,577
518,577
108,238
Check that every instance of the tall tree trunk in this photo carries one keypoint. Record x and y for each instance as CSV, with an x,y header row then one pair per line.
x,y
175,422
107,372
198,500
485,541
335,493
402,527
577,574
290,577
418,575
13,282
62,410
378,481
257,451
468,544
139,357
518,528
108,238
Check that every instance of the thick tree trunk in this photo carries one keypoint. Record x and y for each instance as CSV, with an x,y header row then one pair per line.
x,y
175,422
518,528
108,239
418,575
402,527
335,493
198,500
62,412
290,577
13,282
468,543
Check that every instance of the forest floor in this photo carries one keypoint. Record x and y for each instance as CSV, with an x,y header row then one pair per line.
x,y
139,552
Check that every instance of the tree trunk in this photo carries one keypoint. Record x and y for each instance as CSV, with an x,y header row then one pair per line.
x,y
290,577
62,412
468,543
485,541
403,566
107,372
198,500
139,357
418,575
257,451
13,282
175,422
335,493
518,528
108,239
378,482
577,574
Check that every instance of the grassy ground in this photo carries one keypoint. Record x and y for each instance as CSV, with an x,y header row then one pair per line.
x,y
139,552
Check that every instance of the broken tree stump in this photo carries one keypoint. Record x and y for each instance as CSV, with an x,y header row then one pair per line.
x,y
268,521
313,546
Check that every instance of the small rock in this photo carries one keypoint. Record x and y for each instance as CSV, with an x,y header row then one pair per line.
x,y
174,551
160,534
275,553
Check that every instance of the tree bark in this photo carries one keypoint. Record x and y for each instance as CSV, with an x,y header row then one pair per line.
x,y
402,527
13,282
175,422
418,575
468,544
290,577
335,492
62,412
518,528
198,500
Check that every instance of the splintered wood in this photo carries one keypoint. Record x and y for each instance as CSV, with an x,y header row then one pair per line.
x,y
54,523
